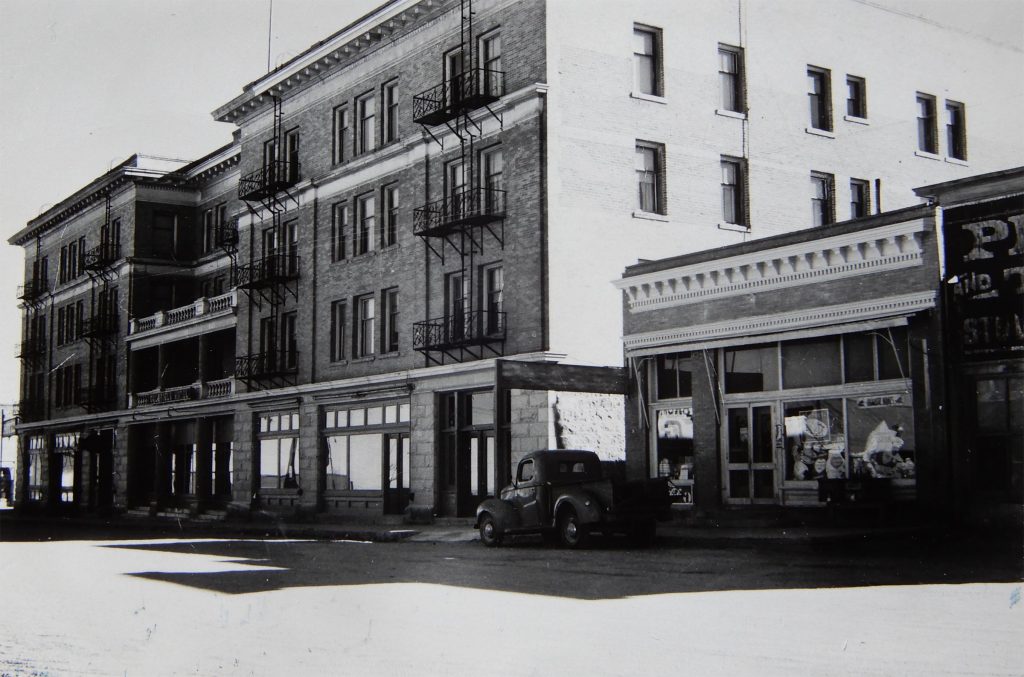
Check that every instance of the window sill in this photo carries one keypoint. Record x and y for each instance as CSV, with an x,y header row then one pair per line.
x,y
338,363
956,161
725,113
734,227
928,156
650,216
363,360
653,98
856,120
388,356
820,132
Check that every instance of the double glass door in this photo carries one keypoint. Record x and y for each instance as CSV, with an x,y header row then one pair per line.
x,y
750,459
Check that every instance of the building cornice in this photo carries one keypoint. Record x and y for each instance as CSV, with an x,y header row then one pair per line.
x,y
822,316
864,252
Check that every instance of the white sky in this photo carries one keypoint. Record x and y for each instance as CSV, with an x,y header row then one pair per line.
x,y
84,84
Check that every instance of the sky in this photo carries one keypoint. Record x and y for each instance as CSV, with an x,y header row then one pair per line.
x,y
84,84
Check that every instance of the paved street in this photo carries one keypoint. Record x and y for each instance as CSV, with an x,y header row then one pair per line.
x,y
175,606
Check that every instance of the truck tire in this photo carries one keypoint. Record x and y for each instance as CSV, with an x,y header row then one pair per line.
x,y
490,533
570,531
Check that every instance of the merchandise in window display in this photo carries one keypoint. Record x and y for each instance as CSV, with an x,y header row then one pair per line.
x,y
883,456
816,450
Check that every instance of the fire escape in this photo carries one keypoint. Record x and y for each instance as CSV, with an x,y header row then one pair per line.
x,y
101,328
34,295
472,210
271,275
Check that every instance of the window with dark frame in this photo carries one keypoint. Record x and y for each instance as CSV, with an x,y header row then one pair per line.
x,y
389,317
342,134
289,344
650,163
856,97
363,324
366,207
733,198
337,331
927,141
367,112
956,130
494,299
819,95
647,60
492,167
389,110
339,231
730,76
389,227
490,58
822,204
674,376
860,198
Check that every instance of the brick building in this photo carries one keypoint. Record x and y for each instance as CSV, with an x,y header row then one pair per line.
x,y
395,279
878,360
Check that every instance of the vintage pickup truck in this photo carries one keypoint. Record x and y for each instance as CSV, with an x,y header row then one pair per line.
x,y
564,494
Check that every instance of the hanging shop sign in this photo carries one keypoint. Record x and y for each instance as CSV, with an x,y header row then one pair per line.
x,y
985,279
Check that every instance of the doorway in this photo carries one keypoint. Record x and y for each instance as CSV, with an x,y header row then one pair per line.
x,y
750,463
397,479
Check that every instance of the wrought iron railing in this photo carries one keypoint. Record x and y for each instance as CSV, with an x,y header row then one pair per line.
x,y
32,290
101,256
100,324
466,91
268,180
267,363
32,348
466,206
31,410
268,270
226,235
459,329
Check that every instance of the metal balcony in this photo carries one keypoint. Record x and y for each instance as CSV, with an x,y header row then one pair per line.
x,y
101,324
101,256
268,364
31,410
32,290
472,89
98,398
31,349
226,235
466,207
269,180
268,271
460,330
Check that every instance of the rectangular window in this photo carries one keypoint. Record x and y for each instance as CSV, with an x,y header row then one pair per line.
x,y
60,326
860,198
492,168
365,316
366,207
674,376
647,60
389,316
733,197
366,109
490,58
811,362
494,301
62,272
751,370
339,231
730,76
389,228
819,95
337,331
72,260
208,231
650,171
822,205
342,133
389,109
956,130
926,135
289,347
291,148
856,97
456,305
279,463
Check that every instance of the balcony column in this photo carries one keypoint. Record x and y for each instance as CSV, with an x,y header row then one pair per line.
x,y
203,440
163,448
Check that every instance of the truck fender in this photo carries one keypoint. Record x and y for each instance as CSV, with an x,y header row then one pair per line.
x,y
588,509
504,515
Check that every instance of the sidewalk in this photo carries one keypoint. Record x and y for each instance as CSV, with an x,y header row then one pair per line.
x,y
670,534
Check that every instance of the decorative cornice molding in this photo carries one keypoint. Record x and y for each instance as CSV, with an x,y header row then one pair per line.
x,y
864,252
890,306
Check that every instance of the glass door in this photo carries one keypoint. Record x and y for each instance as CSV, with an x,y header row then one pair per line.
x,y
396,490
750,454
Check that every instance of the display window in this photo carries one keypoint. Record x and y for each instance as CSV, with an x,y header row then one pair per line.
x,y
881,436
367,449
815,440
65,445
36,454
280,460
672,450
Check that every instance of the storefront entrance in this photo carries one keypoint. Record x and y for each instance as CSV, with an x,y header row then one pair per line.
x,y
396,491
467,453
750,462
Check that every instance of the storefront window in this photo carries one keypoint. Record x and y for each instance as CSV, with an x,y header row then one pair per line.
x,y
881,434
36,451
674,376
65,445
279,463
815,441
859,357
364,462
812,362
674,452
355,459
891,347
876,355
752,370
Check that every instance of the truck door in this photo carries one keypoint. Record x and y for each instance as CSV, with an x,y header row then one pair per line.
x,y
527,493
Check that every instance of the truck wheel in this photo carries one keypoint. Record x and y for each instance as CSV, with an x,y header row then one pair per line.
x,y
490,534
642,534
572,533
